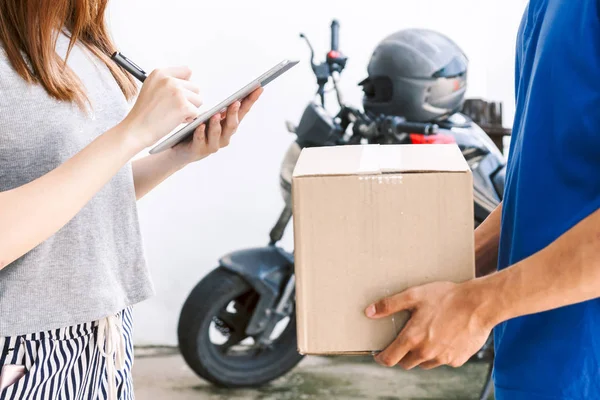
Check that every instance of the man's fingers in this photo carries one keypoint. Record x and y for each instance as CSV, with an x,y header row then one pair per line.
x,y
395,351
411,360
385,307
431,364
424,353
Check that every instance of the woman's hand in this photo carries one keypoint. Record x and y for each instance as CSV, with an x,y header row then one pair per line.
x,y
220,129
166,100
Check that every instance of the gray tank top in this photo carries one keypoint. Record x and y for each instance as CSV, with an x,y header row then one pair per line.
x,y
94,266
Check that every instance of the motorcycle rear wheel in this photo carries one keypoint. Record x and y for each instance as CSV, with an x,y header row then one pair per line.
x,y
223,302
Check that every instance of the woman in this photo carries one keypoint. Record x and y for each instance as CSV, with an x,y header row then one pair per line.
x,y
71,261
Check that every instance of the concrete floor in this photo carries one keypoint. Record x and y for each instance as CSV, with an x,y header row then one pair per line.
x,y
162,374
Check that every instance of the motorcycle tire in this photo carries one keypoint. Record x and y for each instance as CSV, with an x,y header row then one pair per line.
x,y
211,295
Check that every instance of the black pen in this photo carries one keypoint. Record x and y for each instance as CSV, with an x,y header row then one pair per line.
x,y
129,66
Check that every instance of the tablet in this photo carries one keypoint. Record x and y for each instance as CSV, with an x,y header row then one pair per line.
x,y
189,129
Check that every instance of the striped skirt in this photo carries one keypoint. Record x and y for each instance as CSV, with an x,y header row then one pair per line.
x,y
87,361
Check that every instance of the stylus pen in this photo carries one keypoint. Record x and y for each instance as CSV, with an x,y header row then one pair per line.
x,y
129,66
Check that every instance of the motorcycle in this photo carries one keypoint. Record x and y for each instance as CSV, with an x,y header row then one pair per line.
x,y
237,328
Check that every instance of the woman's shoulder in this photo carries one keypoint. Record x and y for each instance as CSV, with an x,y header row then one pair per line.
x,y
12,84
3,57
13,88
7,72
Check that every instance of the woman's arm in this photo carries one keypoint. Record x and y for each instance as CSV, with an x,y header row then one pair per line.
x,y
33,212
150,171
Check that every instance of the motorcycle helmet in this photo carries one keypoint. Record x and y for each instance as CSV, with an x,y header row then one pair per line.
x,y
417,74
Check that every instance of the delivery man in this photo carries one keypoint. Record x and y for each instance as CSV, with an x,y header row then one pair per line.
x,y
543,302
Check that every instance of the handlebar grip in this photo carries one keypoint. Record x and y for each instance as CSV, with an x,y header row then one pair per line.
x,y
335,35
416,127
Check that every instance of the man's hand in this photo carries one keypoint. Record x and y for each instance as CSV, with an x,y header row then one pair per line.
x,y
220,129
446,326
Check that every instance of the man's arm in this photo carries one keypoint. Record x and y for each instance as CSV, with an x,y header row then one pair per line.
x,y
450,322
487,238
565,272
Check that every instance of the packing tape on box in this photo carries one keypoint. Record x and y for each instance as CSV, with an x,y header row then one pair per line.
x,y
376,159
369,160
390,159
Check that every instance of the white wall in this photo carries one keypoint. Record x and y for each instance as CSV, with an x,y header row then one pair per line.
x,y
231,200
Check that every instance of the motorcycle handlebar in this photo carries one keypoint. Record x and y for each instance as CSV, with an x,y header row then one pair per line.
x,y
335,35
370,128
415,127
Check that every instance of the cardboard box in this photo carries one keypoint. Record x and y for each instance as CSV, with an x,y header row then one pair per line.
x,y
371,221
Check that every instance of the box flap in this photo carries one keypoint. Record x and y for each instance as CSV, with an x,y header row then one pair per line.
x,y
379,159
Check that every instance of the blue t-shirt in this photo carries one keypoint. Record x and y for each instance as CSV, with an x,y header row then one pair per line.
x,y
553,182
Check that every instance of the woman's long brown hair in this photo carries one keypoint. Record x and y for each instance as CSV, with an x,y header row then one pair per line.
x,y
29,30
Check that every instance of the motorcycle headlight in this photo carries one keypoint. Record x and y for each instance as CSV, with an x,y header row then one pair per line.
x,y
287,169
